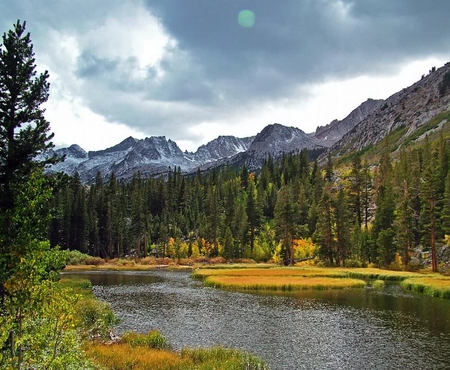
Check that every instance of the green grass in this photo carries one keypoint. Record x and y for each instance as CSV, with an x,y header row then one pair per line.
x,y
378,284
435,286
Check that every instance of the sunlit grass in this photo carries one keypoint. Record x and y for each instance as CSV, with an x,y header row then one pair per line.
x,y
436,286
137,352
379,274
125,356
284,283
268,272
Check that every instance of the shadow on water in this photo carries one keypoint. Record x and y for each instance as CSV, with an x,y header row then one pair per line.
x,y
333,329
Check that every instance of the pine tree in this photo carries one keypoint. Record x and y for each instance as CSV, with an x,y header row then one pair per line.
x,y
324,234
285,215
342,217
431,202
253,211
24,134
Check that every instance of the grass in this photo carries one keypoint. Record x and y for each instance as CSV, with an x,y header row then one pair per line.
x,y
300,278
379,274
311,271
436,286
284,283
378,284
270,272
133,352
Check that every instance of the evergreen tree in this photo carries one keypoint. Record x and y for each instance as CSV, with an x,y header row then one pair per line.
x,y
342,217
24,134
285,215
431,202
253,211
324,234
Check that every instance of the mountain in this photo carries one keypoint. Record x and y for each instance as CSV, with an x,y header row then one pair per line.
x,y
274,140
408,115
421,107
151,156
334,131
222,147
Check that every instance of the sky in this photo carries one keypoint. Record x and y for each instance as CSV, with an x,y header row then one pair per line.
x,y
192,70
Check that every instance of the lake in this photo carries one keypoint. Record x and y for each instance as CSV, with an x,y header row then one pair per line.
x,y
341,329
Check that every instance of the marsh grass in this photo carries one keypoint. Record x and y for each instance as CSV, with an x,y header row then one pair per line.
x,y
153,339
83,287
135,351
379,284
270,272
284,283
436,286
378,274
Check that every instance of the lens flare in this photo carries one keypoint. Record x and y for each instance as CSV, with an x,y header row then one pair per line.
x,y
246,18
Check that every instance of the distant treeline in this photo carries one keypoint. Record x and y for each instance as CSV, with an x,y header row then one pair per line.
x,y
355,214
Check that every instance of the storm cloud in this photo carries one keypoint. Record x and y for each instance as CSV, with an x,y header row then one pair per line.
x,y
173,67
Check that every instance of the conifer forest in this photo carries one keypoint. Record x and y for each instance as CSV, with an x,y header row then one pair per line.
x,y
350,212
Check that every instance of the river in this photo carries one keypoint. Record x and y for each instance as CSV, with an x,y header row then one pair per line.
x,y
342,329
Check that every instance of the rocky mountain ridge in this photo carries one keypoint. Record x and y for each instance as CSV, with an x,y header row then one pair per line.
x,y
409,109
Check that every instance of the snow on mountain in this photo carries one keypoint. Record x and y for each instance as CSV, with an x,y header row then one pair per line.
x,y
220,148
274,140
150,156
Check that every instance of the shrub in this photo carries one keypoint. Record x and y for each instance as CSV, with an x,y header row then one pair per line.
x,y
76,258
96,317
95,261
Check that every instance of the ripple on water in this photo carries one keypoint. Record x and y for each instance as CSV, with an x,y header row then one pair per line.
x,y
350,329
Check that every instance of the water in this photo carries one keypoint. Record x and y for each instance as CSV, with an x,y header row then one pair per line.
x,y
349,329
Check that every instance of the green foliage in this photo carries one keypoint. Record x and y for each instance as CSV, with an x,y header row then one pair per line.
x,y
38,324
96,317
75,257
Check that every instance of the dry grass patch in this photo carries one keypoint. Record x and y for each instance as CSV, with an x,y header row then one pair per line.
x,y
437,286
125,356
137,352
284,283
379,274
270,272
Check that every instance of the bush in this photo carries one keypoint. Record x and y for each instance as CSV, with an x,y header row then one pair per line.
x,y
353,263
76,258
96,317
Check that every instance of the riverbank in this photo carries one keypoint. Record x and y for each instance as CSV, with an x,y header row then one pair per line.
x,y
247,275
95,320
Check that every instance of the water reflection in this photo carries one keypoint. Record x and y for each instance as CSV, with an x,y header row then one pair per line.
x,y
349,329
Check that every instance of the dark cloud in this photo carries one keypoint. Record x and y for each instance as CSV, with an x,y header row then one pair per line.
x,y
216,67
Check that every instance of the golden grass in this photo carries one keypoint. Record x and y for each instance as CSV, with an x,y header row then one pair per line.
x,y
284,283
271,272
379,274
436,286
125,356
